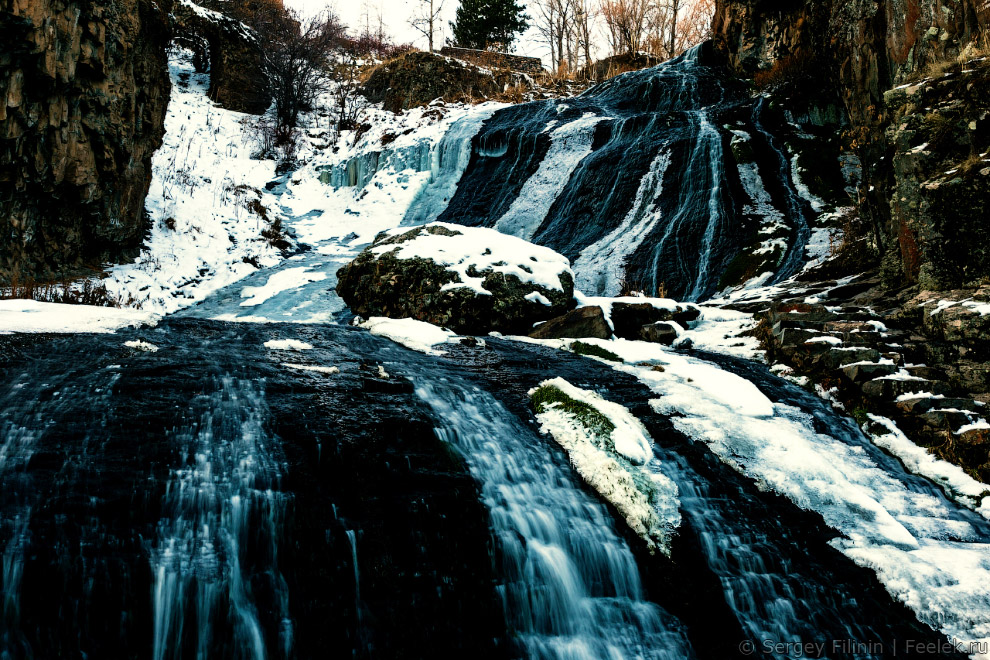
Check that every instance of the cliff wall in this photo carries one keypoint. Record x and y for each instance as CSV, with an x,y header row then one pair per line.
x,y
858,52
83,92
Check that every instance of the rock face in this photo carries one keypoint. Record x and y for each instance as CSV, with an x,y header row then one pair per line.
x,y
470,280
857,51
415,79
228,49
83,91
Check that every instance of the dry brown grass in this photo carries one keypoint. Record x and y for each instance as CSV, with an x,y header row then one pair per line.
x,y
86,291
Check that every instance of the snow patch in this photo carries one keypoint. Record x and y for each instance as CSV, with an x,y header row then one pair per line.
x,y
417,335
287,345
33,317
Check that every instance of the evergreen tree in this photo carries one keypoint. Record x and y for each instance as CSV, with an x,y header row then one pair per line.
x,y
487,24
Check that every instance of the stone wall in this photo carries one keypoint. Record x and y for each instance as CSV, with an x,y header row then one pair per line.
x,y
83,91
531,65
229,50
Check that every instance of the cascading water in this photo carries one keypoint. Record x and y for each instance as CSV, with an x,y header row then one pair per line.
x,y
218,541
448,161
570,586
796,207
628,180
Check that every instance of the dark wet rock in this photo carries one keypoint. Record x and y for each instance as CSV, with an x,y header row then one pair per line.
x,y
629,317
83,92
902,74
868,371
836,357
379,283
576,324
659,333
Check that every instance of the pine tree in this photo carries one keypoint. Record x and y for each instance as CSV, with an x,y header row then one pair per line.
x,y
485,24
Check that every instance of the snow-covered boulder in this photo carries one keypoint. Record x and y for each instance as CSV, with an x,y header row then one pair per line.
x,y
469,279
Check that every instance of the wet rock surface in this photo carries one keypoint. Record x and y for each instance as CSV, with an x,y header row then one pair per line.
x,y
362,475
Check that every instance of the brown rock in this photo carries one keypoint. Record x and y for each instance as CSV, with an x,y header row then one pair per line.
x,y
659,333
577,324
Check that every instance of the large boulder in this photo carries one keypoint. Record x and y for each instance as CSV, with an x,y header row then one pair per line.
x,y
416,79
83,91
629,315
469,279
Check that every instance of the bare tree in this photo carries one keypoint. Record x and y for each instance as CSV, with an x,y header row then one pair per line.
x,y
584,26
695,25
296,53
426,20
554,22
627,23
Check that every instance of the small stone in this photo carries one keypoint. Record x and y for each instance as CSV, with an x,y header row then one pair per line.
x,y
659,333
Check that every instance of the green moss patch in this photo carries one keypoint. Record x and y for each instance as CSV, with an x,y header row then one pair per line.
x,y
582,348
546,397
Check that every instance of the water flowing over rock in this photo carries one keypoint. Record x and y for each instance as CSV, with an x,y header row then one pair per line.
x,y
632,181
84,87
468,279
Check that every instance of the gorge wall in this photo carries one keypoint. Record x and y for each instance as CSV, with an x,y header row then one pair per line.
x,y
923,146
83,92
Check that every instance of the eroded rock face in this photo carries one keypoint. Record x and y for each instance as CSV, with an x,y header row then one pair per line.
x,y
859,50
83,92
228,49
468,279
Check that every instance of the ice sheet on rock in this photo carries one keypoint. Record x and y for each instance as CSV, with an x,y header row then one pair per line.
x,y
480,249
917,459
417,335
33,316
284,280
312,367
629,478
599,267
569,145
924,552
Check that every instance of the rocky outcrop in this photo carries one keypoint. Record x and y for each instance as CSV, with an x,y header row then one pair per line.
x,y
229,50
495,60
470,280
416,79
940,135
855,51
83,91
920,362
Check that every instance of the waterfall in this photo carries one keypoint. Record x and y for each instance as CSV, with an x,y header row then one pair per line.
x,y
448,160
569,584
219,538
583,177
795,256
